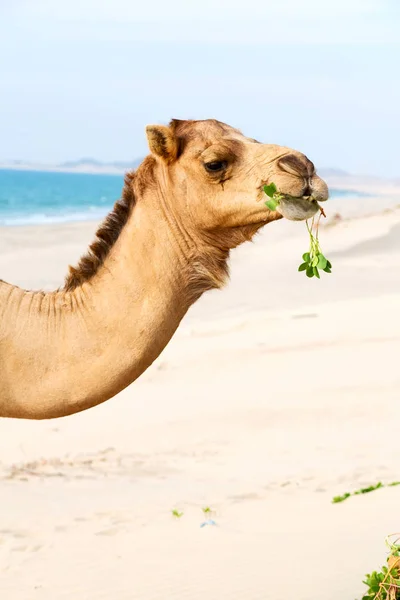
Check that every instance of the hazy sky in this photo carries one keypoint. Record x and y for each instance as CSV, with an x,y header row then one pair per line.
x,y
83,77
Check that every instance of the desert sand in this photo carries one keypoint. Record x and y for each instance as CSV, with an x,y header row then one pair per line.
x,y
276,394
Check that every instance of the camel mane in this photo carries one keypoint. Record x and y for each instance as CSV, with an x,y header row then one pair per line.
x,y
106,236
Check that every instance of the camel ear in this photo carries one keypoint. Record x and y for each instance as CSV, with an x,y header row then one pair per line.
x,y
162,142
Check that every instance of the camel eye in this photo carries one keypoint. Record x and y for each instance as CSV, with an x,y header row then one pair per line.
x,y
215,166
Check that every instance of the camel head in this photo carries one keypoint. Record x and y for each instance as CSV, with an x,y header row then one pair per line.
x,y
216,176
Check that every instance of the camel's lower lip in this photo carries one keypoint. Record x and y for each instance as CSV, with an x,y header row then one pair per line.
x,y
297,209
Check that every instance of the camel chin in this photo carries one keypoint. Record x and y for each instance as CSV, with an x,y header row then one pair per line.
x,y
297,209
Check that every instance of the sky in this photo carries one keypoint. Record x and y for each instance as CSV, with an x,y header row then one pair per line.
x,y
82,78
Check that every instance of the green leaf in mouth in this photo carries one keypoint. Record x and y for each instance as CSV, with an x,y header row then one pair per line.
x,y
272,204
270,189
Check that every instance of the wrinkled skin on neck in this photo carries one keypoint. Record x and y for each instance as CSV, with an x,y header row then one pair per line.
x,y
167,241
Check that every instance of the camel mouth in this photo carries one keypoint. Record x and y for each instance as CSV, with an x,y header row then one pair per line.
x,y
297,208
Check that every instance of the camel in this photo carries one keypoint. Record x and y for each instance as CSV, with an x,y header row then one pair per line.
x,y
197,195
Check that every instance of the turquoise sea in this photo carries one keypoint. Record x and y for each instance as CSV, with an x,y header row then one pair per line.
x,y
31,197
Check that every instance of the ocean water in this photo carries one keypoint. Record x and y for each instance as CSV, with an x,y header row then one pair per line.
x,y
32,197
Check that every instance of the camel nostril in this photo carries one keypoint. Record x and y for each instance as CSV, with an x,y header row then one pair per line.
x,y
307,191
294,165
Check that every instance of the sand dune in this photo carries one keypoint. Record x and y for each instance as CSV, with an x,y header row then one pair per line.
x,y
275,395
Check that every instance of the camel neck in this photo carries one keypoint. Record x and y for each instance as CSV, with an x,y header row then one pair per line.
x,y
68,351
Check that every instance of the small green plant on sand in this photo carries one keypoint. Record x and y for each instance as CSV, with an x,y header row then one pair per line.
x,y
366,490
385,584
342,498
207,510
177,514
313,260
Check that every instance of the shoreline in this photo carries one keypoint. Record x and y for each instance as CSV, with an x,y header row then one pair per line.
x,y
343,208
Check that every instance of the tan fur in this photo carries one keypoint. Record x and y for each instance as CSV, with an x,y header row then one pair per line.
x,y
165,243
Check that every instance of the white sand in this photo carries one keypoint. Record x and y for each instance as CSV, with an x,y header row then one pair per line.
x,y
275,395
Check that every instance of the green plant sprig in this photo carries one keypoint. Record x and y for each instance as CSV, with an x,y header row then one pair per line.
x,y
313,260
366,490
